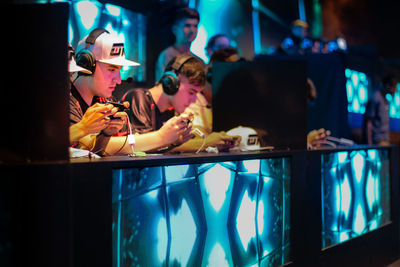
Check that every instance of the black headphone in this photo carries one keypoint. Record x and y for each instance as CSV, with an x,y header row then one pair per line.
x,y
86,58
169,80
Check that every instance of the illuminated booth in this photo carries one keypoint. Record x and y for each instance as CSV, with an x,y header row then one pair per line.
x,y
291,207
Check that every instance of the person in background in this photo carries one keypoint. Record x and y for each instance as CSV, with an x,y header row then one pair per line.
x,y
376,117
183,80
184,28
103,54
298,41
216,42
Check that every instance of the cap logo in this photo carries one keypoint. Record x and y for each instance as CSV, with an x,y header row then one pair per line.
x,y
117,50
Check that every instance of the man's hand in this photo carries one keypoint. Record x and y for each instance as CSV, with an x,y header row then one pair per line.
x,y
176,130
95,119
316,137
222,141
116,124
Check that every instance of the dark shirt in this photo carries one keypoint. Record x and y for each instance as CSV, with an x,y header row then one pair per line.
x,y
144,113
377,111
78,107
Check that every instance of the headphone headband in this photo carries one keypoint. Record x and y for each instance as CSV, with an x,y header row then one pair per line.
x,y
178,64
91,39
85,58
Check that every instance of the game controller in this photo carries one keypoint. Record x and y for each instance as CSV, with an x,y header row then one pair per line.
x,y
120,106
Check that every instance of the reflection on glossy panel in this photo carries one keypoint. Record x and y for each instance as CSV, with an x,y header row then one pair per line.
x,y
212,214
355,194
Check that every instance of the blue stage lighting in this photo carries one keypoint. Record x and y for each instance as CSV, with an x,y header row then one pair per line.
x,y
355,194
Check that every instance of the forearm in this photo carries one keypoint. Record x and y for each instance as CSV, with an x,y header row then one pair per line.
x,y
191,145
76,132
143,143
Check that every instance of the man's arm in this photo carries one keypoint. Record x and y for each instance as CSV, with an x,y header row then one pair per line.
x,y
93,121
172,131
220,140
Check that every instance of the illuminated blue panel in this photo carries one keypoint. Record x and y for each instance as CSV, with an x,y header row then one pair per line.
x,y
87,15
394,103
242,222
138,181
355,194
179,172
213,214
357,86
187,223
216,183
144,230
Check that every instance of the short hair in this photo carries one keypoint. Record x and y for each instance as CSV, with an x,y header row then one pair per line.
x,y
186,13
213,39
226,54
193,69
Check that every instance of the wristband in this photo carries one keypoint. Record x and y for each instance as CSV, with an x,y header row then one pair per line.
x,y
106,135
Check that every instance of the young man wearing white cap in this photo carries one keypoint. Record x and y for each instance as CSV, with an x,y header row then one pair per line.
x,y
94,119
103,54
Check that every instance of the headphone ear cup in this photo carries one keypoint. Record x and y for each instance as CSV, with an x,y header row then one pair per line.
x,y
86,60
170,83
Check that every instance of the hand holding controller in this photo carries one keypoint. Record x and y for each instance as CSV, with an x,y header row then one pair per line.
x,y
121,107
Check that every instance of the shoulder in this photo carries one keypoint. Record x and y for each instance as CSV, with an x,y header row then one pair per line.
x,y
139,98
75,110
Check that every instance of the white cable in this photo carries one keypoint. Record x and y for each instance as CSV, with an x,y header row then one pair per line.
x,y
202,135
131,137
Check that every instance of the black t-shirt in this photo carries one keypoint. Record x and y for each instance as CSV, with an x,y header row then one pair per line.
x,y
78,107
144,113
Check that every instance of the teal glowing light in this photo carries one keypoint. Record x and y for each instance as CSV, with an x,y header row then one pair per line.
x,y
370,191
359,222
113,10
162,239
175,173
217,256
183,234
245,220
357,84
343,236
342,156
260,217
88,12
252,166
394,104
236,218
355,194
345,196
358,166
200,43
70,33
216,188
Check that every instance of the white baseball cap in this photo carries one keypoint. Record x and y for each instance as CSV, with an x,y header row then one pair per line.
x,y
72,66
249,138
108,48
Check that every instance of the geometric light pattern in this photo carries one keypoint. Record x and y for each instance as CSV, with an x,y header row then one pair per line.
x,y
357,88
211,214
130,26
357,84
355,194
394,103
